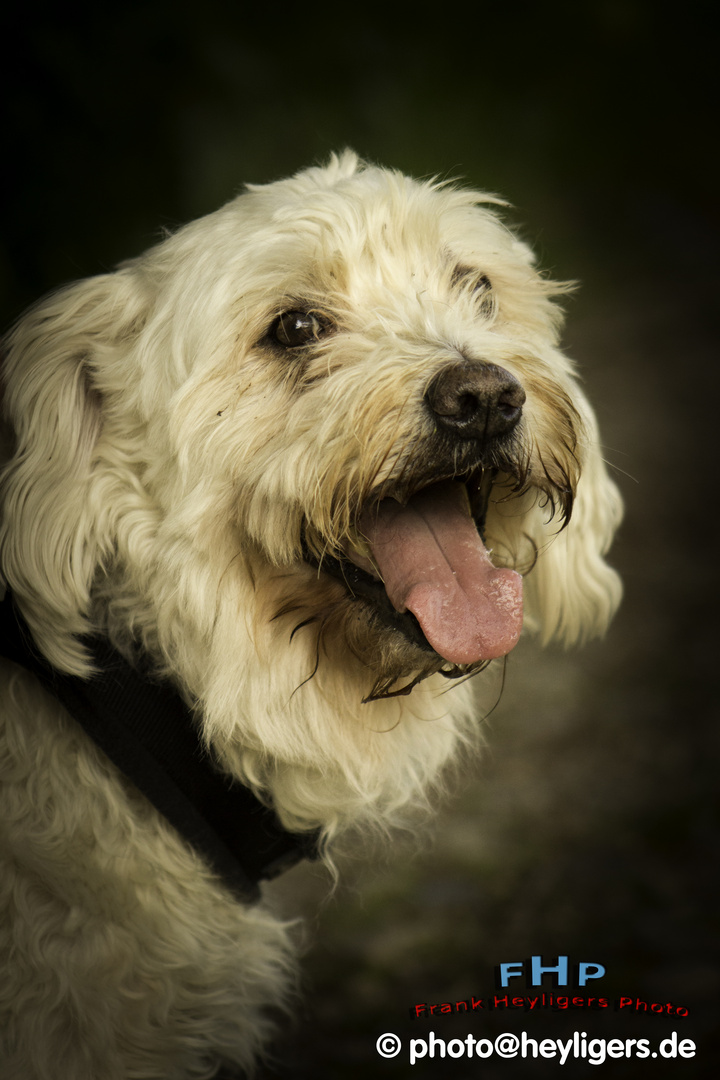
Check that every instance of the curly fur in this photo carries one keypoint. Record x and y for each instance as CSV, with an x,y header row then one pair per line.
x,y
176,481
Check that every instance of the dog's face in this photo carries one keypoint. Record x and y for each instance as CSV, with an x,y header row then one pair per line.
x,y
392,390
329,424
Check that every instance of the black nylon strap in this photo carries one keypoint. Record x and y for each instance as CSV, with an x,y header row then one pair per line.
x,y
146,729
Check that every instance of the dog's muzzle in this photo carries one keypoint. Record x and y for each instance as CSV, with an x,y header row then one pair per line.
x,y
417,551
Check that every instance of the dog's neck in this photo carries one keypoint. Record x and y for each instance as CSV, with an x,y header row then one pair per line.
x,y
150,734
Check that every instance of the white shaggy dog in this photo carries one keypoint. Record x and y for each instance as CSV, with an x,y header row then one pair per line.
x,y
301,460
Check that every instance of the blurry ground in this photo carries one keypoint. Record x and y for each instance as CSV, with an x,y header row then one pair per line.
x,y
589,828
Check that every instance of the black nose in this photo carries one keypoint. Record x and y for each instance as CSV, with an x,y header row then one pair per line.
x,y
474,400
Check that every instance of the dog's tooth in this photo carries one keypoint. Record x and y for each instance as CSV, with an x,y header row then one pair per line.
x,y
359,544
358,551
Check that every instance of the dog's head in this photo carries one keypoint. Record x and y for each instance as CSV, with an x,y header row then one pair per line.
x,y
325,428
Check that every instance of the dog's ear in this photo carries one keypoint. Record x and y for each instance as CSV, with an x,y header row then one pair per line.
x,y
50,531
572,593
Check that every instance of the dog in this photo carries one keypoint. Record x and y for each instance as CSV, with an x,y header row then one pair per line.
x,y
306,466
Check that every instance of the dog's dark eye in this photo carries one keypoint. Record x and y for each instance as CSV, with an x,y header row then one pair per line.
x,y
465,276
295,328
483,290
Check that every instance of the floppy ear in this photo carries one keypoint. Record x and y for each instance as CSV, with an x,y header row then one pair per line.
x,y
571,592
50,544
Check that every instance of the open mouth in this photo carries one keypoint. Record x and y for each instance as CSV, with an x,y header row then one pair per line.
x,y
421,562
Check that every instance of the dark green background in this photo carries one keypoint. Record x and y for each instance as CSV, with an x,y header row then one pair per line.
x,y
590,827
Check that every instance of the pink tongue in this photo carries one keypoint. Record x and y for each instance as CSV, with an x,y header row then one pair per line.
x,y
434,563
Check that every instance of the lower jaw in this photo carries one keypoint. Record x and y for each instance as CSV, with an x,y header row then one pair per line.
x,y
392,649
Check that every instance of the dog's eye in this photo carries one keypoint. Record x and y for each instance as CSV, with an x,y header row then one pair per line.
x,y
465,276
295,328
484,291
485,298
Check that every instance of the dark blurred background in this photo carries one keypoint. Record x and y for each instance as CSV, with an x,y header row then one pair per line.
x,y
590,827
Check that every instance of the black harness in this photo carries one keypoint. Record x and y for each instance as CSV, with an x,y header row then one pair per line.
x,y
146,729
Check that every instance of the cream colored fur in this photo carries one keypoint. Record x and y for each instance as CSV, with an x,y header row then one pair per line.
x,y
167,465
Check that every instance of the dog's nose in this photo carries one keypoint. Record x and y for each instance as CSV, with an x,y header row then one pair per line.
x,y
474,400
